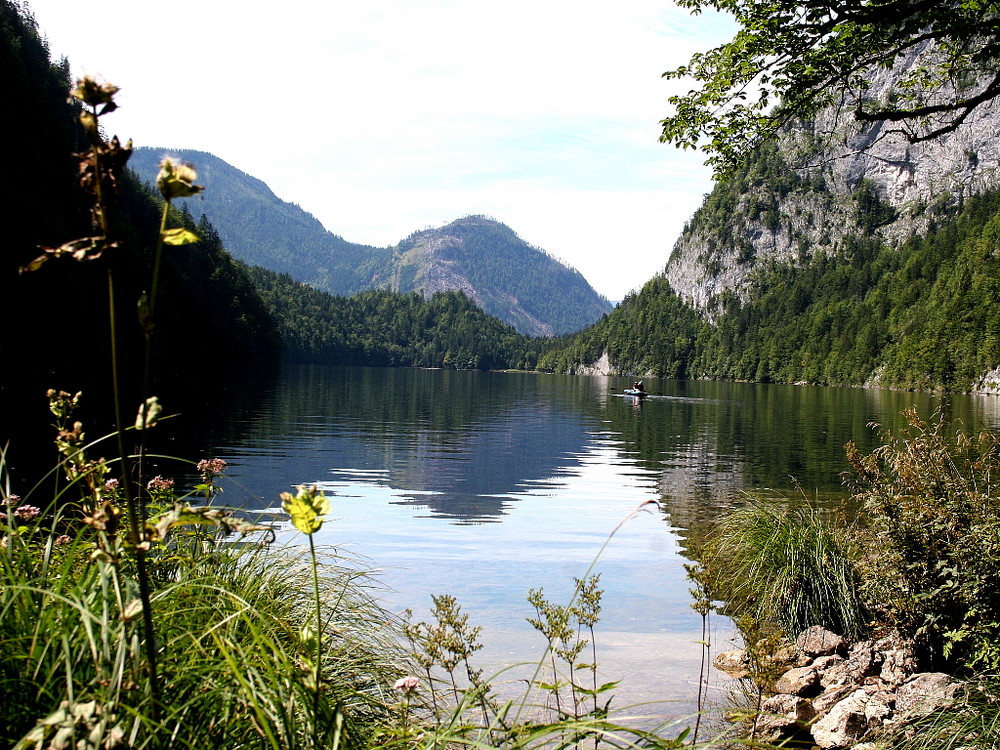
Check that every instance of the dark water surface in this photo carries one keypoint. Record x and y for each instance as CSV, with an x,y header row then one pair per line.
x,y
483,485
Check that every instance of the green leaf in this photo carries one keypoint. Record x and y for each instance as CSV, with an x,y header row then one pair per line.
x,y
184,515
306,508
179,236
149,413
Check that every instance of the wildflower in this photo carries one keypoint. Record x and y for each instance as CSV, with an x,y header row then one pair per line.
x,y
306,508
92,91
211,467
111,485
62,539
27,512
159,484
406,685
13,499
176,179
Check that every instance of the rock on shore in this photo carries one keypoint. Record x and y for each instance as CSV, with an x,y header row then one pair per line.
x,y
844,694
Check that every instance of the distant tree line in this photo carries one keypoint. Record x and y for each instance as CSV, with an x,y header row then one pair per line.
x,y
388,329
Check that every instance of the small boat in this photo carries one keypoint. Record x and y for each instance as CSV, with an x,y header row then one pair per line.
x,y
635,392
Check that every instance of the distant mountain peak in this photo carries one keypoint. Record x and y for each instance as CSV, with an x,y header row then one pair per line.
x,y
507,277
476,254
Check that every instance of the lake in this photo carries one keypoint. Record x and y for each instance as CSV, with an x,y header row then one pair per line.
x,y
485,485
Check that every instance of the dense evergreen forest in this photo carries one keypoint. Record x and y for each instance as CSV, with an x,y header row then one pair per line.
x,y
56,329
922,315
388,329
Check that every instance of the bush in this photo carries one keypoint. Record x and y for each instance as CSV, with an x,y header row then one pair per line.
x,y
932,566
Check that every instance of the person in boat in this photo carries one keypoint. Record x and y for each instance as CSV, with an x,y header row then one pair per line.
x,y
637,386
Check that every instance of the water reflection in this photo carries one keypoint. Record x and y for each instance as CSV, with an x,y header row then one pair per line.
x,y
484,485
465,447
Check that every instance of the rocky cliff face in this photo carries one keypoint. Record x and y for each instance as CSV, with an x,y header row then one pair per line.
x,y
840,178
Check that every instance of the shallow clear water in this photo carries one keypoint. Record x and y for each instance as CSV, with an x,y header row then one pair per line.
x,y
485,485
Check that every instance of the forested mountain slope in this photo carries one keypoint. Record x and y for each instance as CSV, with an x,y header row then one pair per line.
x,y
510,279
922,314
56,330
502,273
825,180
260,229
381,328
835,254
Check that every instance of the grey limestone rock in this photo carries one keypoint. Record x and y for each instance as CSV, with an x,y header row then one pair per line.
x,y
924,693
818,641
799,681
782,716
844,724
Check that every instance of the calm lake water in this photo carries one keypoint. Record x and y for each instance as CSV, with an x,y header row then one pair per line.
x,y
484,485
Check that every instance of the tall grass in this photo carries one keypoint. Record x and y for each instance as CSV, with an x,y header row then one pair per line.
x,y
783,562
236,666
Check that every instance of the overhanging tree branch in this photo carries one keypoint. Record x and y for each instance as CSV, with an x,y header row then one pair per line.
x,y
790,59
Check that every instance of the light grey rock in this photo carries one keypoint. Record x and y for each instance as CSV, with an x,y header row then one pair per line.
x,y
844,724
863,661
799,681
899,658
823,663
924,693
878,710
735,663
818,641
830,697
781,716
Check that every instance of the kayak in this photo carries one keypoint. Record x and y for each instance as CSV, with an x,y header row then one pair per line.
x,y
635,392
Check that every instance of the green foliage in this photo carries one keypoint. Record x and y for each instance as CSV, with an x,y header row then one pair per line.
x,y
789,59
228,622
921,558
931,501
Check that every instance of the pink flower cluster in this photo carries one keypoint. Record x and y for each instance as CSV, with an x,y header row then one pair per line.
x,y
27,512
210,467
23,512
406,685
159,484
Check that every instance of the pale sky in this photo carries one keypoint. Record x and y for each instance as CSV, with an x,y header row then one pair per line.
x,y
383,117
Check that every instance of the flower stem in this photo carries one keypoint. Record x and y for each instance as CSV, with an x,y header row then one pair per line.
x,y
319,637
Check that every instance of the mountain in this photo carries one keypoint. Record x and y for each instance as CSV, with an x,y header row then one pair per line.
x,y
504,275
516,282
260,229
826,180
838,254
